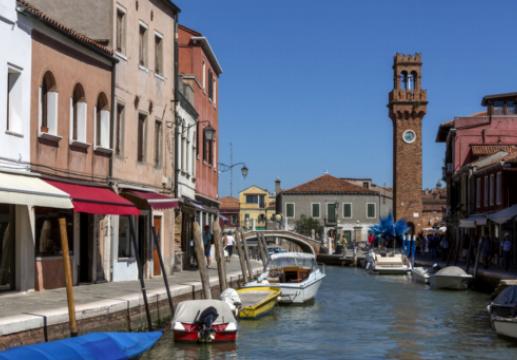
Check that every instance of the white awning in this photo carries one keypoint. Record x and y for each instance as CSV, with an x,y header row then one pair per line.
x,y
473,221
504,215
31,191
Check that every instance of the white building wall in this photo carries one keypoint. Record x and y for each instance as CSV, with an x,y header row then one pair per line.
x,y
187,175
15,53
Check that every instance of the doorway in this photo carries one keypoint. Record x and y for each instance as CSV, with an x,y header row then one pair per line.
x,y
7,222
157,226
85,248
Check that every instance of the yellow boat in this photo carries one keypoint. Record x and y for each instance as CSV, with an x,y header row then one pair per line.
x,y
257,301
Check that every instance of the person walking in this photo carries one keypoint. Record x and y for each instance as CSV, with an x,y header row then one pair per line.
x,y
207,243
230,242
506,246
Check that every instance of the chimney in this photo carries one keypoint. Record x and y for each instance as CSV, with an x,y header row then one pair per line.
x,y
278,189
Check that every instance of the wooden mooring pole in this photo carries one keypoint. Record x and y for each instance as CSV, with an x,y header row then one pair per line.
x,y
162,267
219,256
140,265
72,323
201,261
262,251
247,256
242,259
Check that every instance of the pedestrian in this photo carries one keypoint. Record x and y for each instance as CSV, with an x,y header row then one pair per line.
x,y
230,242
207,243
506,246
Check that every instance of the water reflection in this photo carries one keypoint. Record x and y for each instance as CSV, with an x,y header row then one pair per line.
x,y
360,316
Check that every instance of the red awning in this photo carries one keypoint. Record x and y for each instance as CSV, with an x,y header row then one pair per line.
x,y
96,200
154,200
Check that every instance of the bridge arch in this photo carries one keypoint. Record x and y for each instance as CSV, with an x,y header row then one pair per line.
x,y
305,243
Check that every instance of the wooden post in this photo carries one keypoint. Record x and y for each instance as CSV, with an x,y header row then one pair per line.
x,y
247,256
68,278
219,256
164,272
263,254
242,259
140,266
201,261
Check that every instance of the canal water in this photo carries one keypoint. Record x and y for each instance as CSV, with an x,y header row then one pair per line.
x,y
362,316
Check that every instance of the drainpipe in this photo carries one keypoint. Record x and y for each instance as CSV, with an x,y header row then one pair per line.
x,y
175,101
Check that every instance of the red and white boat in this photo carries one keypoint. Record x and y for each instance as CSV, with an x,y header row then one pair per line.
x,y
204,321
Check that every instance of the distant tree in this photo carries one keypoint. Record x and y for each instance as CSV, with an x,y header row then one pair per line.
x,y
305,225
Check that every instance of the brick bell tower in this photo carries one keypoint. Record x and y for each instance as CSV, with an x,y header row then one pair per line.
x,y
407,108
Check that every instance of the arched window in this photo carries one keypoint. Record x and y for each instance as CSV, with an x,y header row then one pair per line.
x,y
410,82
403,80
48,98
102,122
414,80
78,115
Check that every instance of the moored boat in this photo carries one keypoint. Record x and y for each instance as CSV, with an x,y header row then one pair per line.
x,y
388,262
296,274
204,321
257,301
421,274
98,345
451,278
503,312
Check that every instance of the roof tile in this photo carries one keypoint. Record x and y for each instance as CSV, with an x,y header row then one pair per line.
x,y
328,184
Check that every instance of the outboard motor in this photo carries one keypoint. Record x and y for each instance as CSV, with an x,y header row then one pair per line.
x,y
232,298
205,321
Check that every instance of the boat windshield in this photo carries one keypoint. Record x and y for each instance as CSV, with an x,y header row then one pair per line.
x,y
281,262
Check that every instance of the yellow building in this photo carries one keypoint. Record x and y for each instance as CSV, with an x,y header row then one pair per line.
x,y
255,208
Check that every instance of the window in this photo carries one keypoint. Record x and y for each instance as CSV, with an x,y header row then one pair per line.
x,y
78,115
289,210
120,43
347,236
142,45
347,210
102,122
499,188
157,143
48,98
7,234
14,101
492,189
158,54
48,239
119,135
511,107
485,191
125,248
210,85
498,107
215,91
208,151
252,199
203,75
478,193
142,118
370,210
331,213
315,211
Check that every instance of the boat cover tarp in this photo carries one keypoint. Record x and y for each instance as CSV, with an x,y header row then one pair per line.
x,y
280,260
93,346
507,297
451,271
188,311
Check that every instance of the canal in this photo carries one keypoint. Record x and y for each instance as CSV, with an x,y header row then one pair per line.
x,y
361,316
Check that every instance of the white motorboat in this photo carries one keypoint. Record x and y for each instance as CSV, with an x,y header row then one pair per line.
x,y
296,274
503,312
389,262
450,277
421,274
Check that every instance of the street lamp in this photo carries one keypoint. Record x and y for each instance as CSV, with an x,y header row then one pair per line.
x,y
229,167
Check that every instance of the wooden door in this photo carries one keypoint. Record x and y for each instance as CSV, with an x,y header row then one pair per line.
x,y
157,225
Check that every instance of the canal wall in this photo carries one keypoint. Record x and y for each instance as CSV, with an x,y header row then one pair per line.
x,y
120,313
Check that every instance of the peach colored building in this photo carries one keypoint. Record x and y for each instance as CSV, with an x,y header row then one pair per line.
x,y
142,35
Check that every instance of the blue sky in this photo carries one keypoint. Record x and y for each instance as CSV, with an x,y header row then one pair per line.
x,y
305,83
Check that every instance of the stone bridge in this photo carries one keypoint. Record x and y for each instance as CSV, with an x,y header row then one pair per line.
x,y
305,243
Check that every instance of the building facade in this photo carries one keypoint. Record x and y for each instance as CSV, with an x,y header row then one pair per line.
x,y
255,208
407,108
335,203
143,37
200,69
230,212
479,158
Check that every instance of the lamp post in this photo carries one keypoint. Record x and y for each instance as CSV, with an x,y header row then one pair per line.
x,y
229,167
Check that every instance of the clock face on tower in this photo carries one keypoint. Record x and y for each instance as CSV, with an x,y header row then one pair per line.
x,y
409,136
